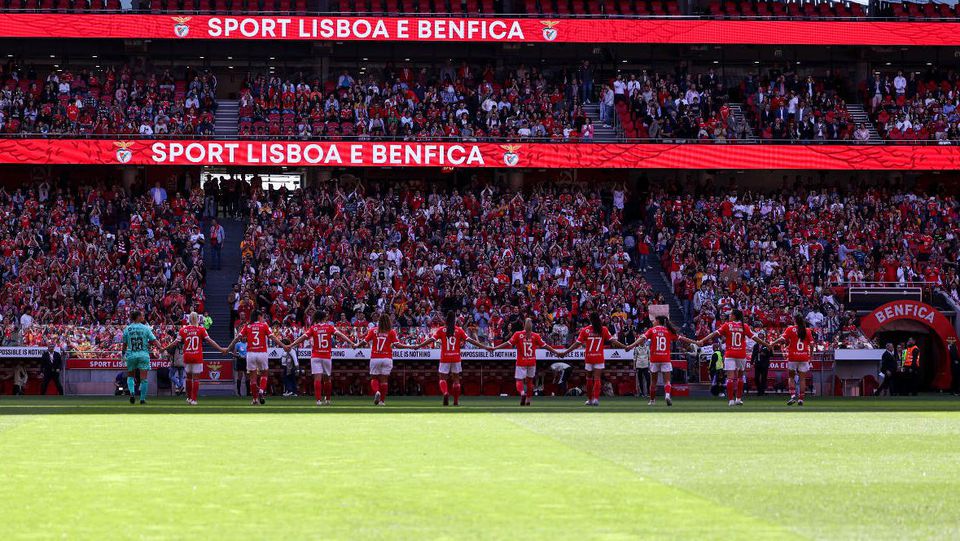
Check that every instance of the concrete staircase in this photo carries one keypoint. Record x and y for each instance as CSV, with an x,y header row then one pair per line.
x,y
859,116
218,286
220,281
600,134
227,119
736,109
660,283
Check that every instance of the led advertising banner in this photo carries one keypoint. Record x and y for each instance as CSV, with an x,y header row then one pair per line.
x,y
463,155
490,30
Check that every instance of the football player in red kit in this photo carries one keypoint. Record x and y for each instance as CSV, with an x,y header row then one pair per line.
x,y
735,332
256,335
799,341
526,342
192,335
383,339
661,337
451,338
593,338
321,335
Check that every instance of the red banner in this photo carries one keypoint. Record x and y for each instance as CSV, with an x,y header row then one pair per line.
x,y
495,30
427,154
110,364
212,371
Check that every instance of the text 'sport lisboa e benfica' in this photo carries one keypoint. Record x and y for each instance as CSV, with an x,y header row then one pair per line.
x,y
838,157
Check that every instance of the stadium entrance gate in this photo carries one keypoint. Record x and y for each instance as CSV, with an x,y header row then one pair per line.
x,y
919,317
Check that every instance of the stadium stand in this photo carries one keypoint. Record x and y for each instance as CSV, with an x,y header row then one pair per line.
x,y
653,105
785,9
88,255
914,105
115,100
764,253
555,251
799,108
462,101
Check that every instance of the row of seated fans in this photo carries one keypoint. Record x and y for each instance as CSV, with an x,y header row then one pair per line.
x,y
772,8
538,7
913,10
162,6
110,101
361,7
601,7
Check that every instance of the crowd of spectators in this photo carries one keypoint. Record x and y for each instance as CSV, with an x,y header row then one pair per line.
x,y
452,101
680,105
914,105
77,259
808,9
480,102
773,254
789,106
124,99
415,250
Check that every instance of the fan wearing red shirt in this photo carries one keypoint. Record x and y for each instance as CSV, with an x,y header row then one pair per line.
x,y
321,335
451,338
799,341
382,340
735,333
192,336
256,334
661,337
526,342
592,339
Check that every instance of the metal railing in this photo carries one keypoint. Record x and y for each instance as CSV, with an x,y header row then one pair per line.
x,y
453,139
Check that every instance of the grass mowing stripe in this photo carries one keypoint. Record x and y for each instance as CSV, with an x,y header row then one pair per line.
x,y
485,471
856,475
400,476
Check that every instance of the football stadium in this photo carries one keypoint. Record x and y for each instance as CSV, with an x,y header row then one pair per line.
x,y
479,269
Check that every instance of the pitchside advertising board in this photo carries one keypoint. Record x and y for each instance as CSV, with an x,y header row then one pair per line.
x,y
212,371
466,154
467,355
21,352
478,30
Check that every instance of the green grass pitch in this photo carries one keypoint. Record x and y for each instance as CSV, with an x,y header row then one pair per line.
x,y
838,469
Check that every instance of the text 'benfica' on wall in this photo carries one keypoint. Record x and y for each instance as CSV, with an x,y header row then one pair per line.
x,y
491,30
446,154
